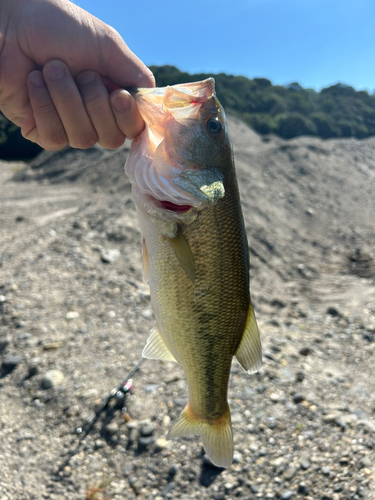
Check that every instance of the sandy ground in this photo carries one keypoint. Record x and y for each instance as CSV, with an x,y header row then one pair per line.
x,y
72,299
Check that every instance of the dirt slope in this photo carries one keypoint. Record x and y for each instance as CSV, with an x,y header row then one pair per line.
x,y
72,299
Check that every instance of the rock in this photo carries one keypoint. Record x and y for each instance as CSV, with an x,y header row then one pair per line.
x,y
111,428
24,336
237,418
99,443
276,302
298,398
109,256
289,473
173,469
144,442
72,315
4,342
305,464
152,387
237,457
33,370
52,378
368,336
305,351
160,444
287,495
10,362
333,311
365,462
302,489
326,470
133,435
147,314
168,487
147,430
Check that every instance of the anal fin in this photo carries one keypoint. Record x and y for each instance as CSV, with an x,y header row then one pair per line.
x,y
156,348
183,252
249,352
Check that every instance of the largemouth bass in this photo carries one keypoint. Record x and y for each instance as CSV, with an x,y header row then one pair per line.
x,y
195,253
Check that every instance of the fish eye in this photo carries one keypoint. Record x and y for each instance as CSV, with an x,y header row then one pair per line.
x,y
214,126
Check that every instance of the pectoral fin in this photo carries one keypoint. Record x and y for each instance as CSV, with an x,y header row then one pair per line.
x,y
156,348
182,251
249,352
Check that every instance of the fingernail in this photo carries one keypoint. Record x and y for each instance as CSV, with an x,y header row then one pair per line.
x,y
85,78
55,72
120,101
36,78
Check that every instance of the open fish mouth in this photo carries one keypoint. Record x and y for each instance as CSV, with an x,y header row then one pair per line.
x,y
172,207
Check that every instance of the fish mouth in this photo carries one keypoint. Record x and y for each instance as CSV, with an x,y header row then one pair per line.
x,y
172,207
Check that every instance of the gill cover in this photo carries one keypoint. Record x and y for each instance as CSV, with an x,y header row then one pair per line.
x,y
159,163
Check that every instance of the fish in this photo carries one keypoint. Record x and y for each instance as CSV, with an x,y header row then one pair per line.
x,y
195,253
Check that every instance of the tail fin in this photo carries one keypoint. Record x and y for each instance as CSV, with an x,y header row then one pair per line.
x,y
216,436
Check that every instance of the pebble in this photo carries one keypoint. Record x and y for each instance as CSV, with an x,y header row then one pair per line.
x,y
24,336
52,378
144,442
4,342
133,435
168,487
300,376
302,489
173,469
152,387
112,428
305,464
160,444
287,495
289,473
147,430
237,457
72,315
147,313
237,418
305,351
326,470
10,362
365,462
99,443
333,311
298,398
109,256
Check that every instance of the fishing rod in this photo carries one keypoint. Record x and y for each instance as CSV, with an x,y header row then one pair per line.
x,y
118,393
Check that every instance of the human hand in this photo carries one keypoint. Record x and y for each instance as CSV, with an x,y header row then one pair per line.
x,y
61,74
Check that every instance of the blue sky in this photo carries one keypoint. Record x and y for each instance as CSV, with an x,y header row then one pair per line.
x,y
314,42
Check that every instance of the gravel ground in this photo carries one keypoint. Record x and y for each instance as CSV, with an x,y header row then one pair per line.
x,y
75,315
